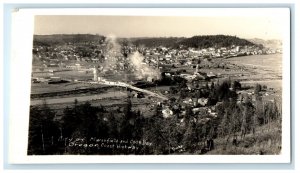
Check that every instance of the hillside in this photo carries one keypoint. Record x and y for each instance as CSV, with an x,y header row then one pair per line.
x,y
58,39
277,44
265,141
215,41
195,41
157,41
174,42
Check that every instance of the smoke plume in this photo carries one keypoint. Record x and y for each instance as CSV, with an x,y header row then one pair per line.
x,y
141,68
113,50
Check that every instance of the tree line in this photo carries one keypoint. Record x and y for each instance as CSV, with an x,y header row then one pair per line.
x,y
61,39
189,131
207,41
204,41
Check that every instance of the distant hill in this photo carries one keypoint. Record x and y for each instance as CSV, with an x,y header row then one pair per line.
x,y
65,38
215,41
157,41
174,42
276,44
196,41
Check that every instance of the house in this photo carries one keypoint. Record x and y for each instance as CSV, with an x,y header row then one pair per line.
x,y
203,120
167,112
203,101
150,79
95,60
211,75
196,110
168,56
53,65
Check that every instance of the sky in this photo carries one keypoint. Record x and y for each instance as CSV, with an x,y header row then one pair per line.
x,y
264,27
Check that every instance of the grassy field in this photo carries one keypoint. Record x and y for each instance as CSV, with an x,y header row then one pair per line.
x,y
37,88
71,75
270,83
69,99
266,141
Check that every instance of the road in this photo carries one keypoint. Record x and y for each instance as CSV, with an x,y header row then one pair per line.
x,y
98,96
79,98
122,84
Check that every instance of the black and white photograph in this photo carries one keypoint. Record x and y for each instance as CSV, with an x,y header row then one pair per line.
x,y
157,85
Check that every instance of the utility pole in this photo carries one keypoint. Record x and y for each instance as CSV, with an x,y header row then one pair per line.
x,y
65,145
169,139
43,142
61,136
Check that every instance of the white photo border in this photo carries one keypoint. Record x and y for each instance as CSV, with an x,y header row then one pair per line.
x,y
22,27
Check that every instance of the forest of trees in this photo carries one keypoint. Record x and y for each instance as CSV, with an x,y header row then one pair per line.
x,y
85,124
157,41
207,41
204,41
173,42
61,39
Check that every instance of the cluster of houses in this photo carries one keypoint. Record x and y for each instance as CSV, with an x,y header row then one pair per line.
x,y
70,55
200,112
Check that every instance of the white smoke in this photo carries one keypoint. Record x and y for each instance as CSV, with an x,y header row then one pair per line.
x,y
141,68
111,41
115,59
113,50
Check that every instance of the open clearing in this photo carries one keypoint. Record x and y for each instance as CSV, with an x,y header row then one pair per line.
x,y
270,83
80,98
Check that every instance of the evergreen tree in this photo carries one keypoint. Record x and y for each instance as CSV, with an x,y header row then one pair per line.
x,y
43,130
190,138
